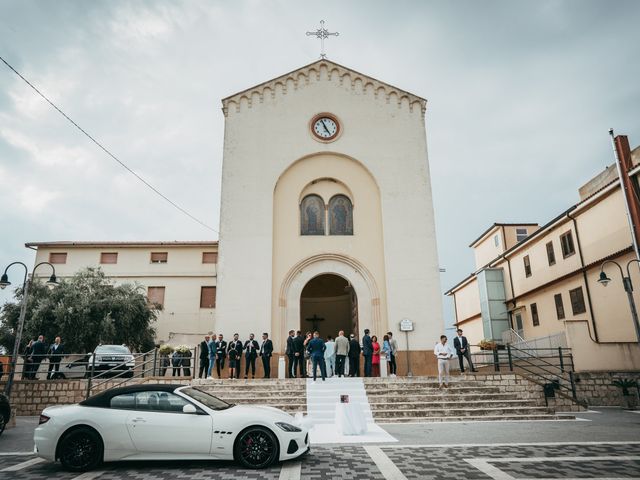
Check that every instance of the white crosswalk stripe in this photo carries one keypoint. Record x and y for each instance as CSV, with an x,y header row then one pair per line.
x,y
23,465
89,475
387,468
290,471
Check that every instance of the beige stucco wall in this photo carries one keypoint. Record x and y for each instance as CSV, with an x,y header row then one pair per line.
x,y
266,132
487,250
182,319
467,301
365,245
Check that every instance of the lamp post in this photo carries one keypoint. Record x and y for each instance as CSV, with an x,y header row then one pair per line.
x,y
26,283
628,287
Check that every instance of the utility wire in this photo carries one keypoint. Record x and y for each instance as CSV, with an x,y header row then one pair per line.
x,y
105,150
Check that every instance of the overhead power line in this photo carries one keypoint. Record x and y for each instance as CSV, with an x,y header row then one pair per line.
x,y
105,150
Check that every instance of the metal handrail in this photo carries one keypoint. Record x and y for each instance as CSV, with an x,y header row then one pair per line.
x,y
541,368
120,372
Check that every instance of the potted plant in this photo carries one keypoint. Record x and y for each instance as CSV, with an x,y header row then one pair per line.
x,y
629,400
164,351
487,345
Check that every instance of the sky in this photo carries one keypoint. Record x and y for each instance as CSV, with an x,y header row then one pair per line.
x,y
521,95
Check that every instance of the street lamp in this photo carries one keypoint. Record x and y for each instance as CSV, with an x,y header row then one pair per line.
x,y
628,287
26,283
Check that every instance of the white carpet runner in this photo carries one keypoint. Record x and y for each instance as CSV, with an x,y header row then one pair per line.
x,y
321,409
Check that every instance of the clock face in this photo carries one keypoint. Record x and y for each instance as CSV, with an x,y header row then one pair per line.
x,y
325,127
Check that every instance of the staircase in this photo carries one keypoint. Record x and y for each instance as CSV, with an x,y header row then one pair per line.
x,y
418,400
287,395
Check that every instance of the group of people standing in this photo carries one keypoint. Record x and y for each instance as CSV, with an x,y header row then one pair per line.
x,y
36,352
215,350
306,353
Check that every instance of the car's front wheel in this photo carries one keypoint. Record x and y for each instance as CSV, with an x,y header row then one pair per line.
x,y
80,450
256,447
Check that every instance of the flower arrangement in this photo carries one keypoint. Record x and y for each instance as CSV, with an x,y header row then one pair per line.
x,y
487,344
183,348
165,349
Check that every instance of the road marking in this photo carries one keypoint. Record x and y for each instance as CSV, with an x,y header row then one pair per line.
x,y
527,444
290,471
20,466
16,454
484,465
89,475
387,468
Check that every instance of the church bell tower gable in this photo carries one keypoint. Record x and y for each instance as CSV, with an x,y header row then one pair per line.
x,y
373,155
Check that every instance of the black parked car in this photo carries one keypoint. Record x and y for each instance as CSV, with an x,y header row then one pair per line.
x,y
5,412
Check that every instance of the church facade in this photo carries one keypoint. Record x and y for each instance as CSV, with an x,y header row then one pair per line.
x,y
327,219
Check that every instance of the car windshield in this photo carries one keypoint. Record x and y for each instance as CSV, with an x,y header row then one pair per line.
x,y
209,400
112,349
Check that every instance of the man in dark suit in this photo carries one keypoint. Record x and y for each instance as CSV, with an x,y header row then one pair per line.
x,y
316,348
251,348
204,357
461,345
299,363
236,345
56,352
266,350
354,356
367,352
221,354
290,353
38,352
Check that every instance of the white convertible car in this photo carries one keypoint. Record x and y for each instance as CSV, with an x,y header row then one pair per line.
x,y
166,422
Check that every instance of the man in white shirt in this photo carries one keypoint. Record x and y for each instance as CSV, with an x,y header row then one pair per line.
x,y
443,353
329,356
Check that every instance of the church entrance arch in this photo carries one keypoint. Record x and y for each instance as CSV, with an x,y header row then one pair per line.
x,y
324,266
328,304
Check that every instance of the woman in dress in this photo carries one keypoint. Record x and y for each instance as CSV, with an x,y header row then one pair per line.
x,y
307,356
375,359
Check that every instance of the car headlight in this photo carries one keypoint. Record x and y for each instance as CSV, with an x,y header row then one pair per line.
x,y
287,427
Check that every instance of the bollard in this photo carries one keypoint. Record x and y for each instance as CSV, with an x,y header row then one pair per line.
x,y
282,368
383,366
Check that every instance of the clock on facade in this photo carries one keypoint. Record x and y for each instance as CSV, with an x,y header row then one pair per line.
x,y
325,127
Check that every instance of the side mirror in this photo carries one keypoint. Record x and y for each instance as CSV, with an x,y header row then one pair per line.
x,y
189,409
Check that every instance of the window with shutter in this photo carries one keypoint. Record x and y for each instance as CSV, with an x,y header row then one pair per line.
x,y
58,257
156,296
577,301
559,306
534,315
108,258
551,255
159,257
209,257
527,266
566,242
521,234
208,297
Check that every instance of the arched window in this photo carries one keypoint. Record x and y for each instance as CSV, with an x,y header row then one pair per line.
x,y
312,215
340,216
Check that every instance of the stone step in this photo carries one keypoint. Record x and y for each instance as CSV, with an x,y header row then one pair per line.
x,y
429,397
459,412
434,390
480,418
447,405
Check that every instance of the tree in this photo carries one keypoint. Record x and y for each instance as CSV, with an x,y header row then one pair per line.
x,y
85,310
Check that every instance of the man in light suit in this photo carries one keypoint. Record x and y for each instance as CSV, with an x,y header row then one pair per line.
x,y
266,350
461,345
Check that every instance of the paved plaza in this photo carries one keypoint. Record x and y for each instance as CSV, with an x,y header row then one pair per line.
x,y
604,443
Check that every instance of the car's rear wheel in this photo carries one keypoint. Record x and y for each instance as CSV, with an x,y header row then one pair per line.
x,y
80,450
256,447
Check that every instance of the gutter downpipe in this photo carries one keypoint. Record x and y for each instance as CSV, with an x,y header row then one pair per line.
x,y
504,238
584,276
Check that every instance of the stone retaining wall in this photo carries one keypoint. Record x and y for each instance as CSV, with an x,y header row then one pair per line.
x,y
597,388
